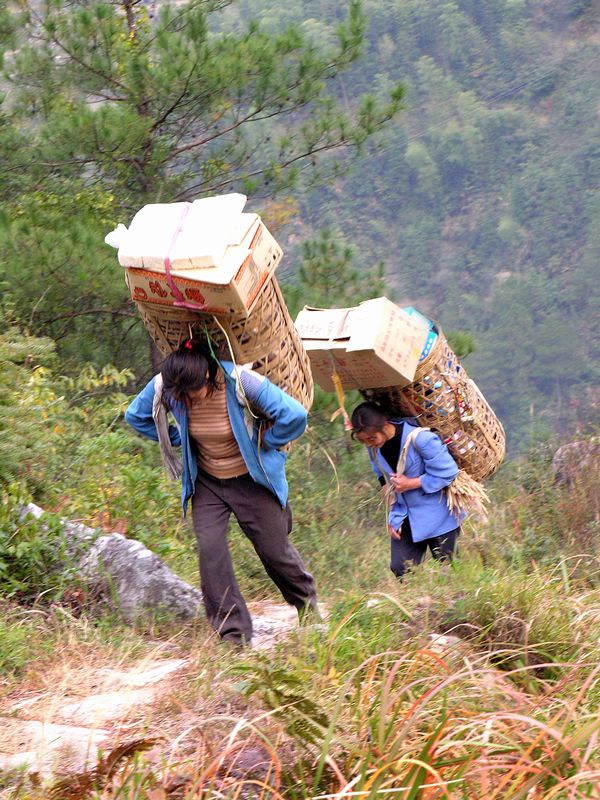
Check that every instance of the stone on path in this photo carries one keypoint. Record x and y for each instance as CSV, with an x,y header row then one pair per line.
x,y
42,746
70,740
270,622
126,572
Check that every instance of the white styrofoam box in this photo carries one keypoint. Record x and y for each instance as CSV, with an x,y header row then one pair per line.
x,y
192,235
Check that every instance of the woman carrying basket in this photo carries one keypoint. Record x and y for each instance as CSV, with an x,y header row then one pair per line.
x,y
415,468
231,426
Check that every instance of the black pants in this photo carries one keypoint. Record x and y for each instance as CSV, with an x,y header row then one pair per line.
x,y
406,551
267,525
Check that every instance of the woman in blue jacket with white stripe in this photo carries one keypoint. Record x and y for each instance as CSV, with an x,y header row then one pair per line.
x,y
418,516
231,424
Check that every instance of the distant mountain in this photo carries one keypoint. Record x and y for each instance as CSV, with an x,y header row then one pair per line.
x,y
484,199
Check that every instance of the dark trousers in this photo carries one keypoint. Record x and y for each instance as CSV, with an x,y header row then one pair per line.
x,y
405,551
267,525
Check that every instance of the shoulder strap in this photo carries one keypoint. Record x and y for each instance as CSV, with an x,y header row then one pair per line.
x,y
410,440
375,456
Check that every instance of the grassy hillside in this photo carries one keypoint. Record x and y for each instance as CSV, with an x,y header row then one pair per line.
x,y
478,679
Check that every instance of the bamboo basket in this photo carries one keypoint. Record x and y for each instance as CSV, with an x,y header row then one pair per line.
x,y
267,338
444,398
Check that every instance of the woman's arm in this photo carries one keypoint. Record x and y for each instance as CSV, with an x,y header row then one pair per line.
x,y
139,416
440,467
288,417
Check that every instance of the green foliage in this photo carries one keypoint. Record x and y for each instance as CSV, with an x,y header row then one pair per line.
x,y
475,201
22,419
58,435
42,415
462,343
111,109
35,557
519,614
15,647
485,219
24,637
329,277
284,692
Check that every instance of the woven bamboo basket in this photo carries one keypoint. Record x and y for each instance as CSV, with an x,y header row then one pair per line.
x,y
444,398
267,338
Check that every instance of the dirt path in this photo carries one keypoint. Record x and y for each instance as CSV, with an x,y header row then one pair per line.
x,y
61,731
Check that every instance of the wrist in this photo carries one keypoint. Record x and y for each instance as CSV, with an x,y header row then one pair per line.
x,y
416,483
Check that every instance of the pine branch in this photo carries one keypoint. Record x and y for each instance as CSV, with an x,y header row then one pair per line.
x,y
73,314
257,173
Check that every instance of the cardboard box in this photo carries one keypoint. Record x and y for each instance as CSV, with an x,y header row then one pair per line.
x,y
372,345
230,286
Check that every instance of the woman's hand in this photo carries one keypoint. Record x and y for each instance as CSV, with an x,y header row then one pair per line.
x,y
393,532
402,483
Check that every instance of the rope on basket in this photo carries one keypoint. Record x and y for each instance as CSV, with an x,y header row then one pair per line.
x,y
337,381
235,366
246,401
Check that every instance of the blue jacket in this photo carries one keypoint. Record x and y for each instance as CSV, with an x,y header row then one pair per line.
x,y
426,507
265,463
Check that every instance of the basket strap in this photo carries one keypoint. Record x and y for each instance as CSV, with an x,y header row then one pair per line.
x,y
410,439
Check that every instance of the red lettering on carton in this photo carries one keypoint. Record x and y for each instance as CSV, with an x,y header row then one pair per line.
x,y
139,293
195,295
156,288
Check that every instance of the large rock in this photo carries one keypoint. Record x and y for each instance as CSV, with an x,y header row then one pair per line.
x,y
576,460
127,573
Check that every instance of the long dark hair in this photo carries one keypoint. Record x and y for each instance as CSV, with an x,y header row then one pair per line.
x,y
188,368
368,418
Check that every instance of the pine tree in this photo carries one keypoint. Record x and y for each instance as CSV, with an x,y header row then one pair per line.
x,y
124,108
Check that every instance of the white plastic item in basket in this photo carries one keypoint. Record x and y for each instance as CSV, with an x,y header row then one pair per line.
x,y
192,235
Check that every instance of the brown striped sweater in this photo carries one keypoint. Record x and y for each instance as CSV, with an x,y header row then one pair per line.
x,y
218,451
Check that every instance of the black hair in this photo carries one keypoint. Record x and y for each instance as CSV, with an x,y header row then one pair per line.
x,y
190,367
368,417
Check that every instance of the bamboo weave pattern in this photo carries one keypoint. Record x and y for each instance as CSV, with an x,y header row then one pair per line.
x,y
267,339
443,397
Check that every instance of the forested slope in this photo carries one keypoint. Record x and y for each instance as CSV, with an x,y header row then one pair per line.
x,y
483,198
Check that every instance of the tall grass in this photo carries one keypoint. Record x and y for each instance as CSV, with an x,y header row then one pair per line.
x,y
473,680
410,722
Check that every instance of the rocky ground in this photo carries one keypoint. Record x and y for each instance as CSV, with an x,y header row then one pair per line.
x,y
66,728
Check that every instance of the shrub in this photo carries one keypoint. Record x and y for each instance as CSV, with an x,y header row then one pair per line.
x,y
20,643
35,558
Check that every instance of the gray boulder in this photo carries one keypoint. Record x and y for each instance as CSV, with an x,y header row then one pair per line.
x,y
129,575
576,460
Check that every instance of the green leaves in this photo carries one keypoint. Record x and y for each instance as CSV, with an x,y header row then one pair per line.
x,y
285,693
34,556
193,88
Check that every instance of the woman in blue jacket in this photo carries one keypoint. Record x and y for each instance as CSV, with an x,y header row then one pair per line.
x,y
231,424
418,516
